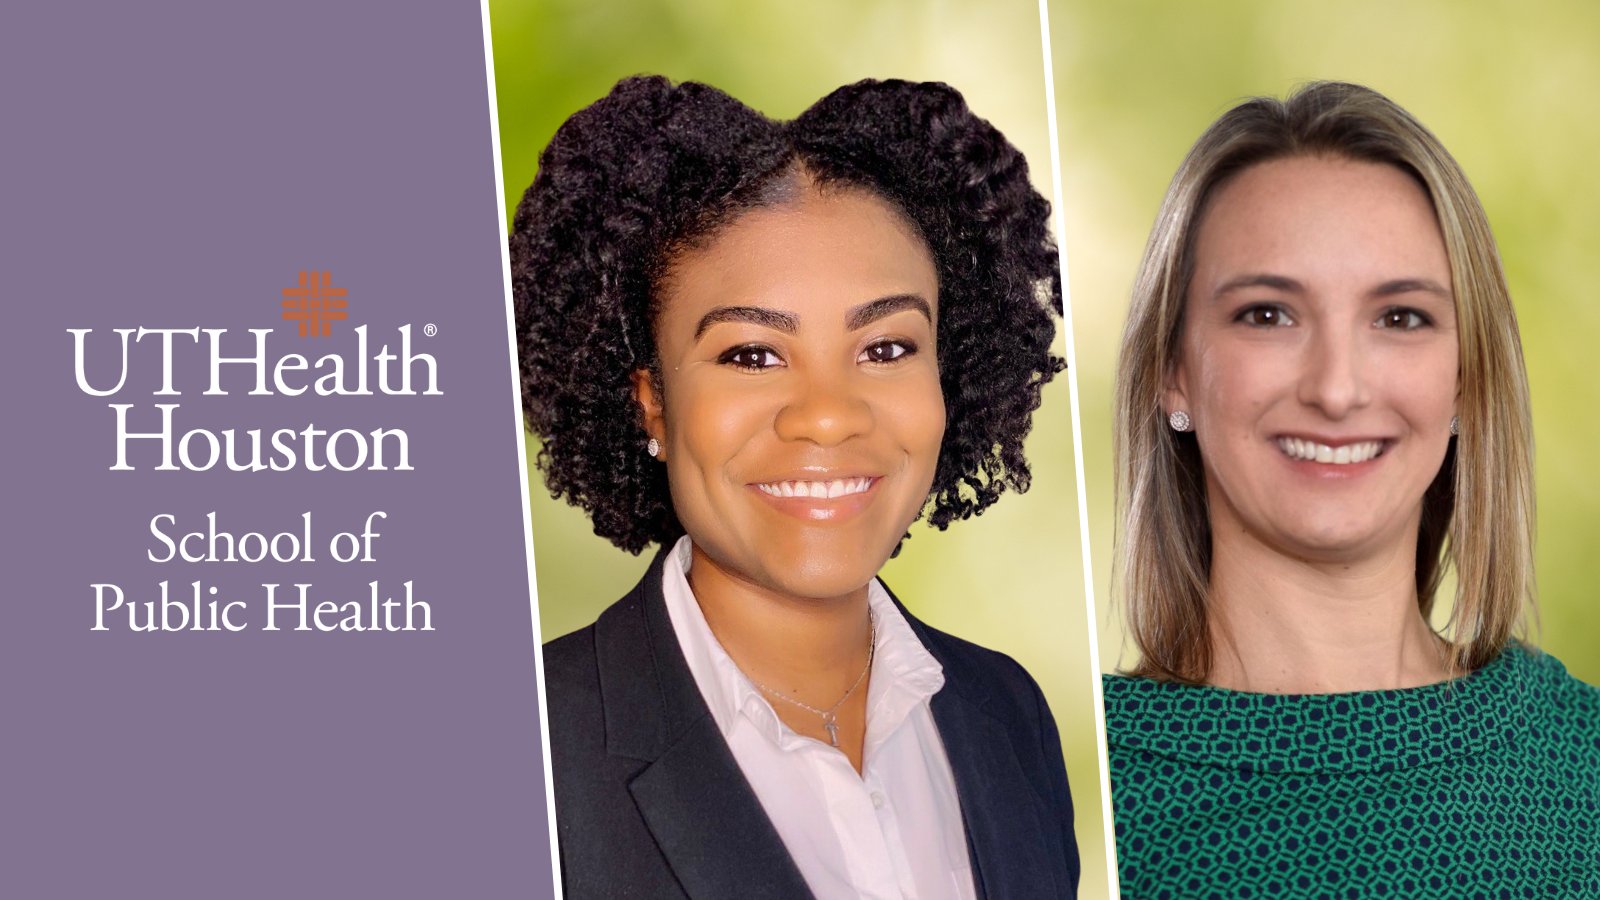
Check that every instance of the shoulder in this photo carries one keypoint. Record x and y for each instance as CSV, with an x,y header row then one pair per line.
x,y
573,663
574,655
995,691
571,666
1548,671
581,677
1132,701
570,649
574,705
586,690
989,678
974,664
1561,707
576,660
600,700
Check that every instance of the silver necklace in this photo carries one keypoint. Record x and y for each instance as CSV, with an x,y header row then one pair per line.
x,y
830,720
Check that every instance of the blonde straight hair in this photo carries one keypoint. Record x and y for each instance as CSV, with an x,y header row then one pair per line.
x,y
1478,513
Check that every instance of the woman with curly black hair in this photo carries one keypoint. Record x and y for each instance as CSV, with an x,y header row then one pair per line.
x,y
769,347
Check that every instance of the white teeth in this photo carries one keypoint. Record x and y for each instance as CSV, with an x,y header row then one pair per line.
x,y
1343,455
821,490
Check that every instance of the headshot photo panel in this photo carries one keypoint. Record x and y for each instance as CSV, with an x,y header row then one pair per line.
x,y
1317,271
804,510
849,586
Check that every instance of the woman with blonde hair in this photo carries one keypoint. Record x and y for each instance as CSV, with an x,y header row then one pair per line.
x,y
1321,408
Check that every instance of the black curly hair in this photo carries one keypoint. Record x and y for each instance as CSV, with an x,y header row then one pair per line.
x,y
655,168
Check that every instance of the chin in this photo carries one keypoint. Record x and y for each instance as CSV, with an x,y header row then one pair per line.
x,y
1331,541
816,582
822,575
816,575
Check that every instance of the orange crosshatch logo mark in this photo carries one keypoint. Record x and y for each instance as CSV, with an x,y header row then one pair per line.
x,y
316,303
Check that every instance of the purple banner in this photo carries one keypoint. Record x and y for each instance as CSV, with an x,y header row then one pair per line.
x,y
269,631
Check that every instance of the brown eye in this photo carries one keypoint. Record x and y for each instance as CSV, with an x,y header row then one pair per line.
x,y
1264,315
887,351
751,358
1403,319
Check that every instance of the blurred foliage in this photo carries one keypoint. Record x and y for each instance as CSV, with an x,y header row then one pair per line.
x,y
1012,579
1510,88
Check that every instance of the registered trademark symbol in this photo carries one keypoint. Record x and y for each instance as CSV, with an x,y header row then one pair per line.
x,y
430,329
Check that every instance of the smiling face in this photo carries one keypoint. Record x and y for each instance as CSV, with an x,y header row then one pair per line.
x,y
1319,357
802,415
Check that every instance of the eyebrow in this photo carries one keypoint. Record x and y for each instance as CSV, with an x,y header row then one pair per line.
x,y
1408,285
786,322
1276,282
871,311
789,323
1291,286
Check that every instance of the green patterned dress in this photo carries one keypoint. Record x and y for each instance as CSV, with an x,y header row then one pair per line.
x,y
1485,787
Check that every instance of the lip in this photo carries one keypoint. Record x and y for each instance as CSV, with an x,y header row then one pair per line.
x,y
854,493
1296,448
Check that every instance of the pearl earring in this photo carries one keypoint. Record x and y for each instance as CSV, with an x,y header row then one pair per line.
x,y
652,447
1179,420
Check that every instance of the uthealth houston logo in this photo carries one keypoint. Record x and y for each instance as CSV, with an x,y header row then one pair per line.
x,y
250,365
315,303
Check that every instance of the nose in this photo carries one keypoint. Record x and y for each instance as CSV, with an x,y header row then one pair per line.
x,y
1333,375
825,408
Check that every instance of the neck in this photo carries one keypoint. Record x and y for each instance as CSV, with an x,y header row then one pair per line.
x,y
813,647
1282,625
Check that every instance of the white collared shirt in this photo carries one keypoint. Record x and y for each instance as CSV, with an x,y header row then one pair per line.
x,y
893,832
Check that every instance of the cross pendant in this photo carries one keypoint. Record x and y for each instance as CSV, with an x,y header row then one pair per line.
x,y
832,728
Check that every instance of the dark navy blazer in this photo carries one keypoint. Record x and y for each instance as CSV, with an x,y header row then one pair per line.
x,y
650,802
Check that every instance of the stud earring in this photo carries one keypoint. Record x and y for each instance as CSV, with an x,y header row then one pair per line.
x,y
1179,420
652,447
1455,424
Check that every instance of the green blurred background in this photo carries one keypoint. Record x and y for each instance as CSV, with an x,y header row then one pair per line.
x,y
1511,89
1012,579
